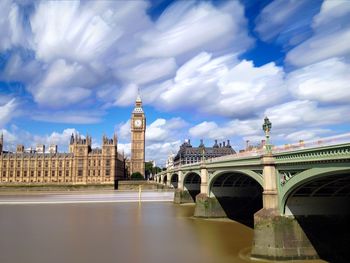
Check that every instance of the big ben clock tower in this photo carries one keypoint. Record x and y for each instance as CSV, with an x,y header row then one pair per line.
x,y
138,129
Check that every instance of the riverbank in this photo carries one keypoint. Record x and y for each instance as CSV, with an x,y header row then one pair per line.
x,y
126,185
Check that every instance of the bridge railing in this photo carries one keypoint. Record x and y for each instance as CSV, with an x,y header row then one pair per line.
x,y
328,141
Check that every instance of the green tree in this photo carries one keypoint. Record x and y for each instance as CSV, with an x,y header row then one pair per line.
x,y
136,176
157,170
148,169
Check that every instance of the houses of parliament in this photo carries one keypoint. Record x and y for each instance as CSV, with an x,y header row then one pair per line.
x,y
81,165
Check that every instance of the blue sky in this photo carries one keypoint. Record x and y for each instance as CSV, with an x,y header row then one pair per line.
x,y
205,69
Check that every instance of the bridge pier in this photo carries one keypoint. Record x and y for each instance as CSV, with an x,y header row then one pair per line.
x,y
206,206
276,236
181,195
279,237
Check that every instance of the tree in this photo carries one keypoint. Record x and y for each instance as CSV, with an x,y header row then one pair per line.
x,y
148,169
136,176
157,170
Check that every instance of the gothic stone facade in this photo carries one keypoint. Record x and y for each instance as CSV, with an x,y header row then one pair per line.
x,y
138,129
82,165
189,154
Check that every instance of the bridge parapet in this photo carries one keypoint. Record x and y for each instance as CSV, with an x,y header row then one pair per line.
x,y
326,153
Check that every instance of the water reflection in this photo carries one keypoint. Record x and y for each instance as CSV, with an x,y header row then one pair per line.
x,y
122,232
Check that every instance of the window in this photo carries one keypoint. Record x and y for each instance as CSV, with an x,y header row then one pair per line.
x,y
67,164
24,173
39,173
39,164
80,172
59,173
108,163
67,173
18,173
4,174
46,173
32,173
11,164
46,164
60,164
18,163
52,173
107,172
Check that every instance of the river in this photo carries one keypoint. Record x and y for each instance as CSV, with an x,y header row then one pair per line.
x,y
148,232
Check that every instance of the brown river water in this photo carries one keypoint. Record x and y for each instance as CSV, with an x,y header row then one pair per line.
x,y
158,232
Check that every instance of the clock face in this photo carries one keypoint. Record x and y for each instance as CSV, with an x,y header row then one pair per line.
x,y
138,123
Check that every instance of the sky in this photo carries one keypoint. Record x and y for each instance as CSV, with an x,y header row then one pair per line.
x,y
205,70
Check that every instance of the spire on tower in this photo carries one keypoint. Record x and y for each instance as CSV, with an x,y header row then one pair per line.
x,y
138,98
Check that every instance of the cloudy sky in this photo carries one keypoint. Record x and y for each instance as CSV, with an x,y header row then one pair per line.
x,y
205,69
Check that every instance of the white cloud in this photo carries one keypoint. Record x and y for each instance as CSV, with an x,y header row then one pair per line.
x,y
331,35
151,70
304,113
330,12
7,111
11,26
125,148
84,31
290,121
286,20
160,151
17,136
214,85
71,117
186,27
63,84
162,130
124,132
307,135
326,81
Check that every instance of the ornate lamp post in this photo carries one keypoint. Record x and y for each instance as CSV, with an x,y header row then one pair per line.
x,y
267,128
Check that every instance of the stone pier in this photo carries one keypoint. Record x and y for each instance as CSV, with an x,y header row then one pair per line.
x,y
279,237
276,236
208,207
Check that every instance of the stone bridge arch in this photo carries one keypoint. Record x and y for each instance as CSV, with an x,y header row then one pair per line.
x,y
164,179
305,177
238,192
174,180
192,184
254,175
318,199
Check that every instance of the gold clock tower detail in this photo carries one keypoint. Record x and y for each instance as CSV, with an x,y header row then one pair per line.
x,y
138,129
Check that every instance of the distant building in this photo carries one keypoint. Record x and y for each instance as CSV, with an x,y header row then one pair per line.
x,y
170,161
189,154
82,165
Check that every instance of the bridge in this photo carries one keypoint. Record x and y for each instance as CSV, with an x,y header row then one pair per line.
x,y
296,197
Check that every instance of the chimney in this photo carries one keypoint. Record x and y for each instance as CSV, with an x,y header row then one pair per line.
x,y
247,144
20,148
40,148
223,143
220,144
228,143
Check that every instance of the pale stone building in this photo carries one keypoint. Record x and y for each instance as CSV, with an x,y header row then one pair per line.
x,y
82,165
